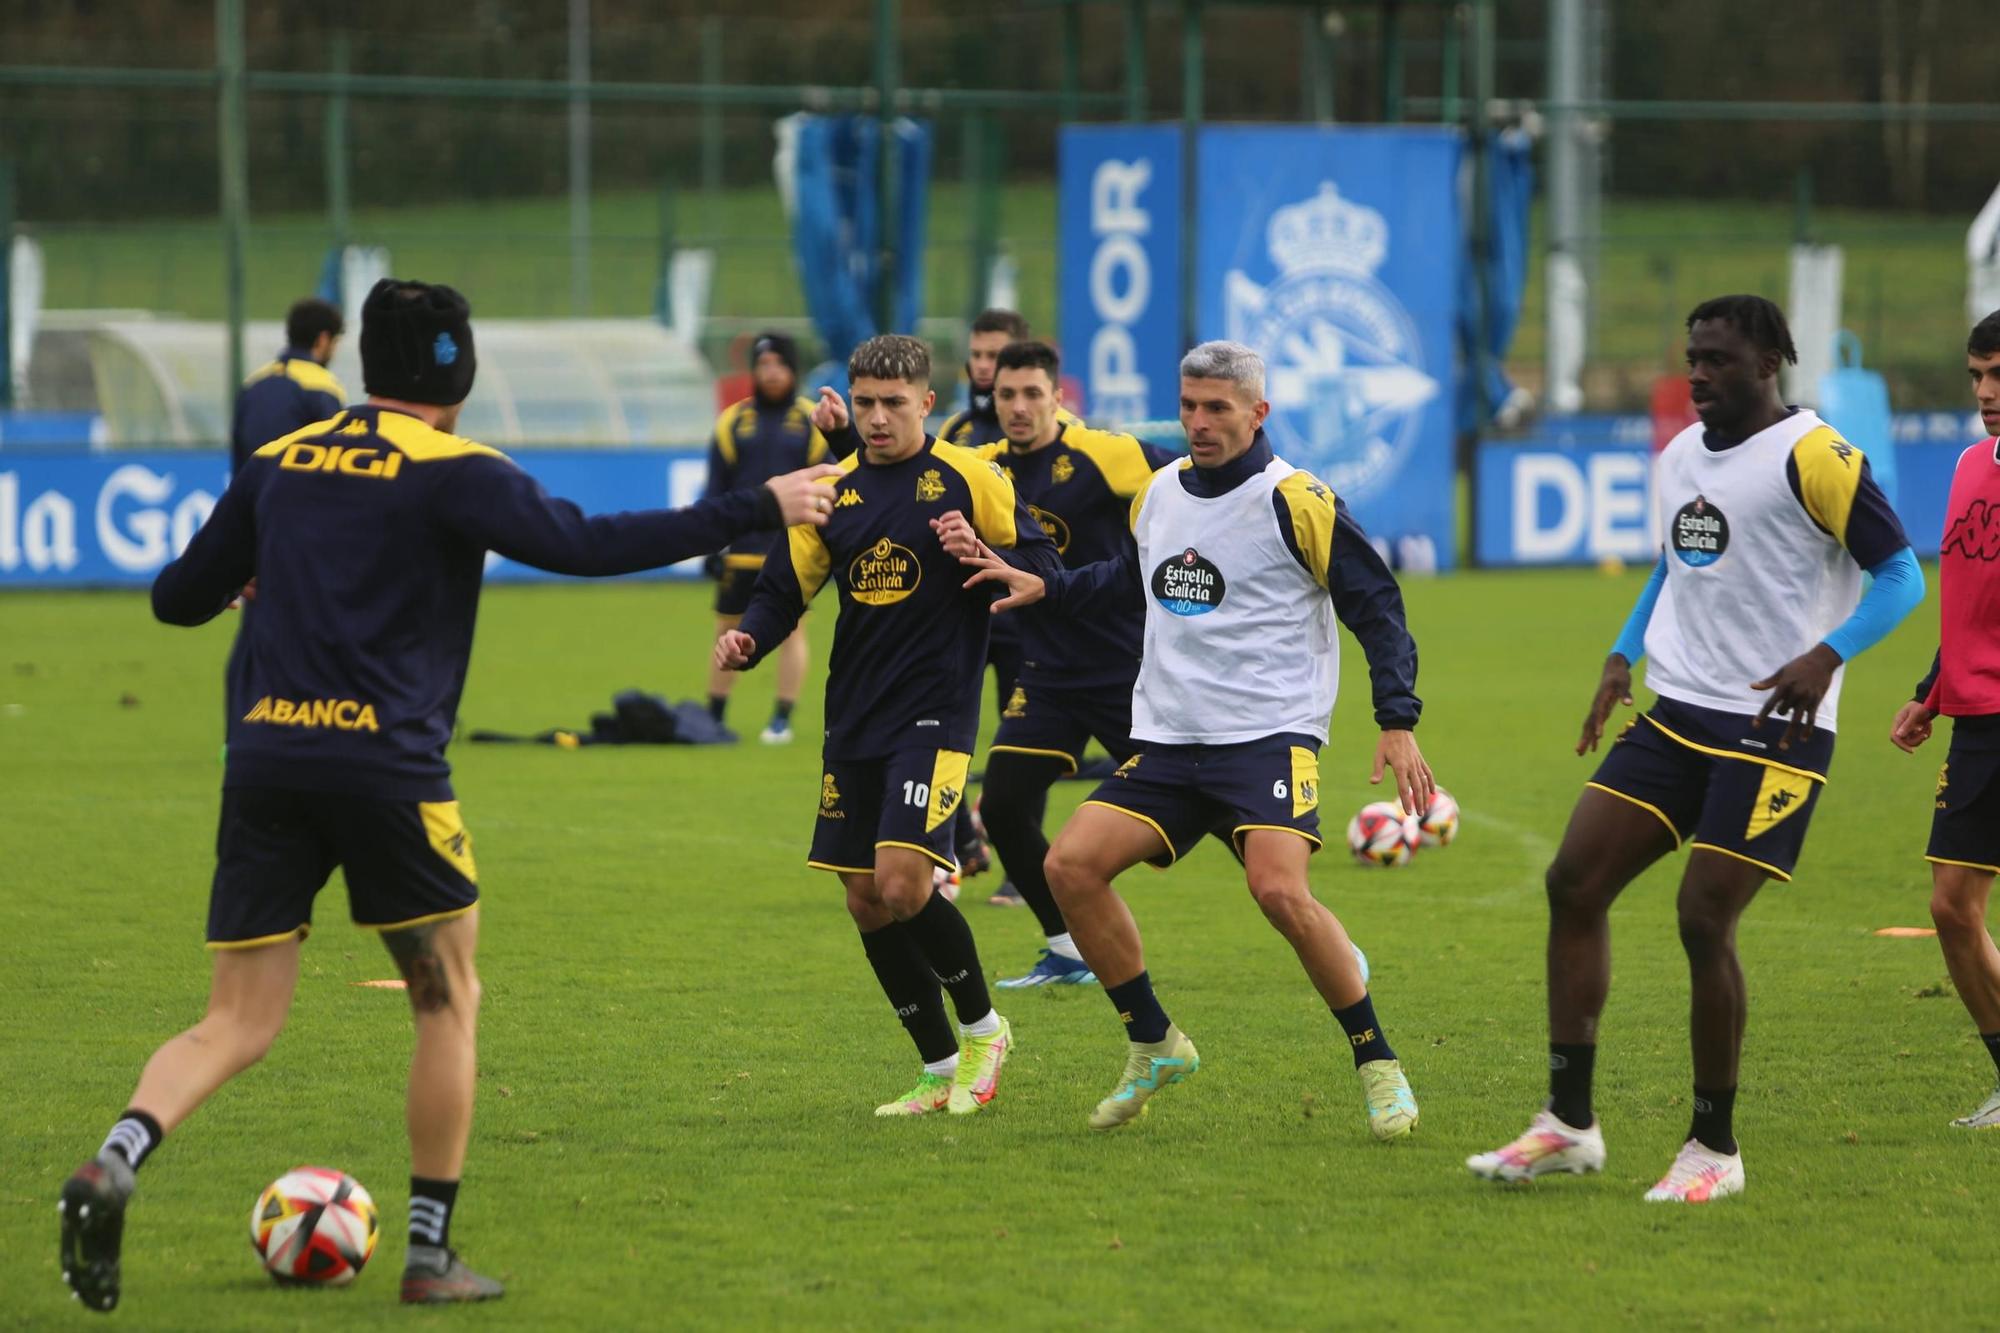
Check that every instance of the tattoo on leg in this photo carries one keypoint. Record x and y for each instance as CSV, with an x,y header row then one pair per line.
x,y
416,957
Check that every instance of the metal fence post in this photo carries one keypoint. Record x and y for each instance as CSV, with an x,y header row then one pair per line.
x,y
579,158
339,201
6,283
232,134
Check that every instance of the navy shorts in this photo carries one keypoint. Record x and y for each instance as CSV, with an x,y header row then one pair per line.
x,y
738,581
1717,782
1965,826
406,863
1059,723
1188,791
904,800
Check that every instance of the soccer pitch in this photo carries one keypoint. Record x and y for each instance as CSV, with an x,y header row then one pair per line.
x,y
681,1042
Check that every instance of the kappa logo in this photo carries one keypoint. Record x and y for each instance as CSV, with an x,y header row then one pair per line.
x,y
1062,469
1126,767
1842,450
1975,534
930,486
847,500
1348,388
829,799
1781,801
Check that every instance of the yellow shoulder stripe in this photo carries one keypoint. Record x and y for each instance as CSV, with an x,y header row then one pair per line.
x,y
1139,497
1119,457
725,431
318,428
1829,476
811,561
992,493
991,452
421,444
1310,504
312,375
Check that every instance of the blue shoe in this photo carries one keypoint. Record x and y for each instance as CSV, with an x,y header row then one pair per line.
x,y
779,732
1051,969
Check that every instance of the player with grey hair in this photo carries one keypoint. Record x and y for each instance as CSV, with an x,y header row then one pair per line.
x,y
1247,568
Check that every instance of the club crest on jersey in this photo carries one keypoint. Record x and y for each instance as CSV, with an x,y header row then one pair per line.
x,y
1700,533
1062,469
829,799
1187,584
1348,387
883,574
930,486
1053,525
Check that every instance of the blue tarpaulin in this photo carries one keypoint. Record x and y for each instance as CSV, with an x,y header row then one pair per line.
x,y
837,224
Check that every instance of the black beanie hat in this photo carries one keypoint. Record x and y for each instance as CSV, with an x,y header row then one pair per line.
x,y
773,341
416,343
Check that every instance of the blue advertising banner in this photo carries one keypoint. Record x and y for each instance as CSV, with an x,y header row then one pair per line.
x,y
109,519
1336,253
1580,491
1120,258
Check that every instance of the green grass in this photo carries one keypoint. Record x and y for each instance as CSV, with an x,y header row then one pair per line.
x,y
1657,259
681,1042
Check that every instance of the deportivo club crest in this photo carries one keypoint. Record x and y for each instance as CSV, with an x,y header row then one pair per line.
x,y
930,486
1345,366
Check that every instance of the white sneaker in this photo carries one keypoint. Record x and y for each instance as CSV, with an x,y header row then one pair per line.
x,y
1986,1117
1699,1175
1546,1148
777,733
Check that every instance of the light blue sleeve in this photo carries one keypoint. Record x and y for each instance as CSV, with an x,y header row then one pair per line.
x,y
1631,643
1897,589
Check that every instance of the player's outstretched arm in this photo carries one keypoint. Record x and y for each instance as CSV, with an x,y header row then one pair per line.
x,y
494,504
209,575
791,578
1614,687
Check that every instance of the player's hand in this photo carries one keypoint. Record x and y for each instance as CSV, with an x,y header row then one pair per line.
x,y
248,593
1023,588
829,414
1613,688
1796,688
1912,726
804,496
733,650
1397,751
955,534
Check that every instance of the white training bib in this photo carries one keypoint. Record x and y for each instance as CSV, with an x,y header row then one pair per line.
x,y
1752,581
1241,642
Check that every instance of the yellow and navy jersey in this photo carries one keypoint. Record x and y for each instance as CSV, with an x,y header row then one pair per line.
x,y
367,535
977,424
1080,489
288,394
1328,544
1844,502
755,441
909,646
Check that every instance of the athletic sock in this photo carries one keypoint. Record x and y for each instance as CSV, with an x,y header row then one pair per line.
x,y
1015,798
945,1068
946,941
988,1026
431,1203
912,990
718,704
1992,1040
134,1137
1140,1011
781,711
1570,1066
1713,1110
1364,1034
1062,946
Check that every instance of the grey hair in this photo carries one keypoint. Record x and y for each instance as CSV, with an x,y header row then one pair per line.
x,y
1226,361
891,356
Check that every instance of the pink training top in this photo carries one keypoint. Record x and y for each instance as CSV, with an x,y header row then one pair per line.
x,y
1968,681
